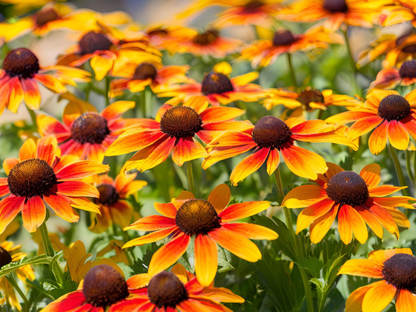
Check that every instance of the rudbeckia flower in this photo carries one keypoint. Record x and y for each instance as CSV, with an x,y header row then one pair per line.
x,y
386,112
174,291
216,88
357,201
361,13
112,201
391,77
103,287
137,77
174,131
159,35
244,12
84,132
396,269
40,176
402,11
265,52
19,76
270,136
209,221
10,253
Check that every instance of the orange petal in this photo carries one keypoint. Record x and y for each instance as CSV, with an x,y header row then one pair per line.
x,y
273,161
370,220
398,136
152,223
9,208
31,93
359,227
9,163
371,175
304,195
84,204
16,95
395,201
186,150
384,190
28,150
344,225
220,197
77,189
150,238
380,256
243,210
321,226
46,149
236,244
355,300
138,281
215,114
206,259
81,169
251,231
168,254
384,218
50,82
168,210
405,301
313,212
33,213
249,165
116,109
378,297
61,205
101,65
378,139
364,126
362,267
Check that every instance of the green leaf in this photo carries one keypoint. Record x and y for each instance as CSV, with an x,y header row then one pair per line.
x,y
224,260
273,197
42,259
312,264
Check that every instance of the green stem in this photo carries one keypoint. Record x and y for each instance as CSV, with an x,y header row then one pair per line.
x,y
409,166
352,61
298,249
50,252
87,91
107,90
144,103
33,118
190,177
399,170
414,166
292,71
16,287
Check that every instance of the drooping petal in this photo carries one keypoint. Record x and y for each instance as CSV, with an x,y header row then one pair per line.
x,y
31,93
81,169
398,136
371,175
362,267
383,217
222,113
116,109
9,208
50,82
77,189
321,226
150,238
355,300
378,139
344,225
33,213
16,95
405,301
243,210
101,64
303,196
378,297
220,197
313,212
358,225
61,205
186,150
273,161
251,231
364,125
249,165
206,259
370,220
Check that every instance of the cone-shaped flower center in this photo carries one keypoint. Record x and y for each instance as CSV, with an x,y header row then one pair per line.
x,y
104,286
207,37
283,37
94,41
46,16
89,128
21,62
108,194
393,107
271,132
335,6
347,188
31,177
309,95
145,71
5,257
408,69
253,6
197,216
166,290
216,83
400,271
181,122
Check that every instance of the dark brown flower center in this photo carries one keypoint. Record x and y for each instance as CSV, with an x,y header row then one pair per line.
x,y
108,194
21,62
207,37
283,37
400,271
335,6
89,128
408,69
347,188
30,178
5,257
46,16
253,6
166,290
271,132
197,216
104,286
216,83
181,122
393,107
309,95
410,48
145,71
94,41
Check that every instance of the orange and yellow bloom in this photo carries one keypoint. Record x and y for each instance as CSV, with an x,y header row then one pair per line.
x,y
355,199
396,270
389,78
210,222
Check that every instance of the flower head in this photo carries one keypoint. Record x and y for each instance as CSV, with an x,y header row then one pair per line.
x,y
39,175
357,201
396,268
391,77
209,222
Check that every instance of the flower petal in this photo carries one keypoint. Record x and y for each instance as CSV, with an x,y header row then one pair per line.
x,y
405,301
321,226
77,189
46,149
16,95
152,223
378,139
116,109
273,161
81,169
362,267
378,297
364,125
384,190
206,259
33,213
398,135
186,150
304,195
61,205
9,208
355,300
313,212
370,220
371,175
28,150
215,114
31,93
168,210
134,140
249,165
101,65
243,210
251,231
150,238
9,163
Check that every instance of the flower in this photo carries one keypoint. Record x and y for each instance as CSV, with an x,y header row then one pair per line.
x,y
8,254
389,78
270,136
309,99
386,112
209,222
112,201
396,269
355,199
403,11
216,88
240,12
177,290
361,13
265,52
136,78
103,287
84,132
173,131
20,72
40,176
160,35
